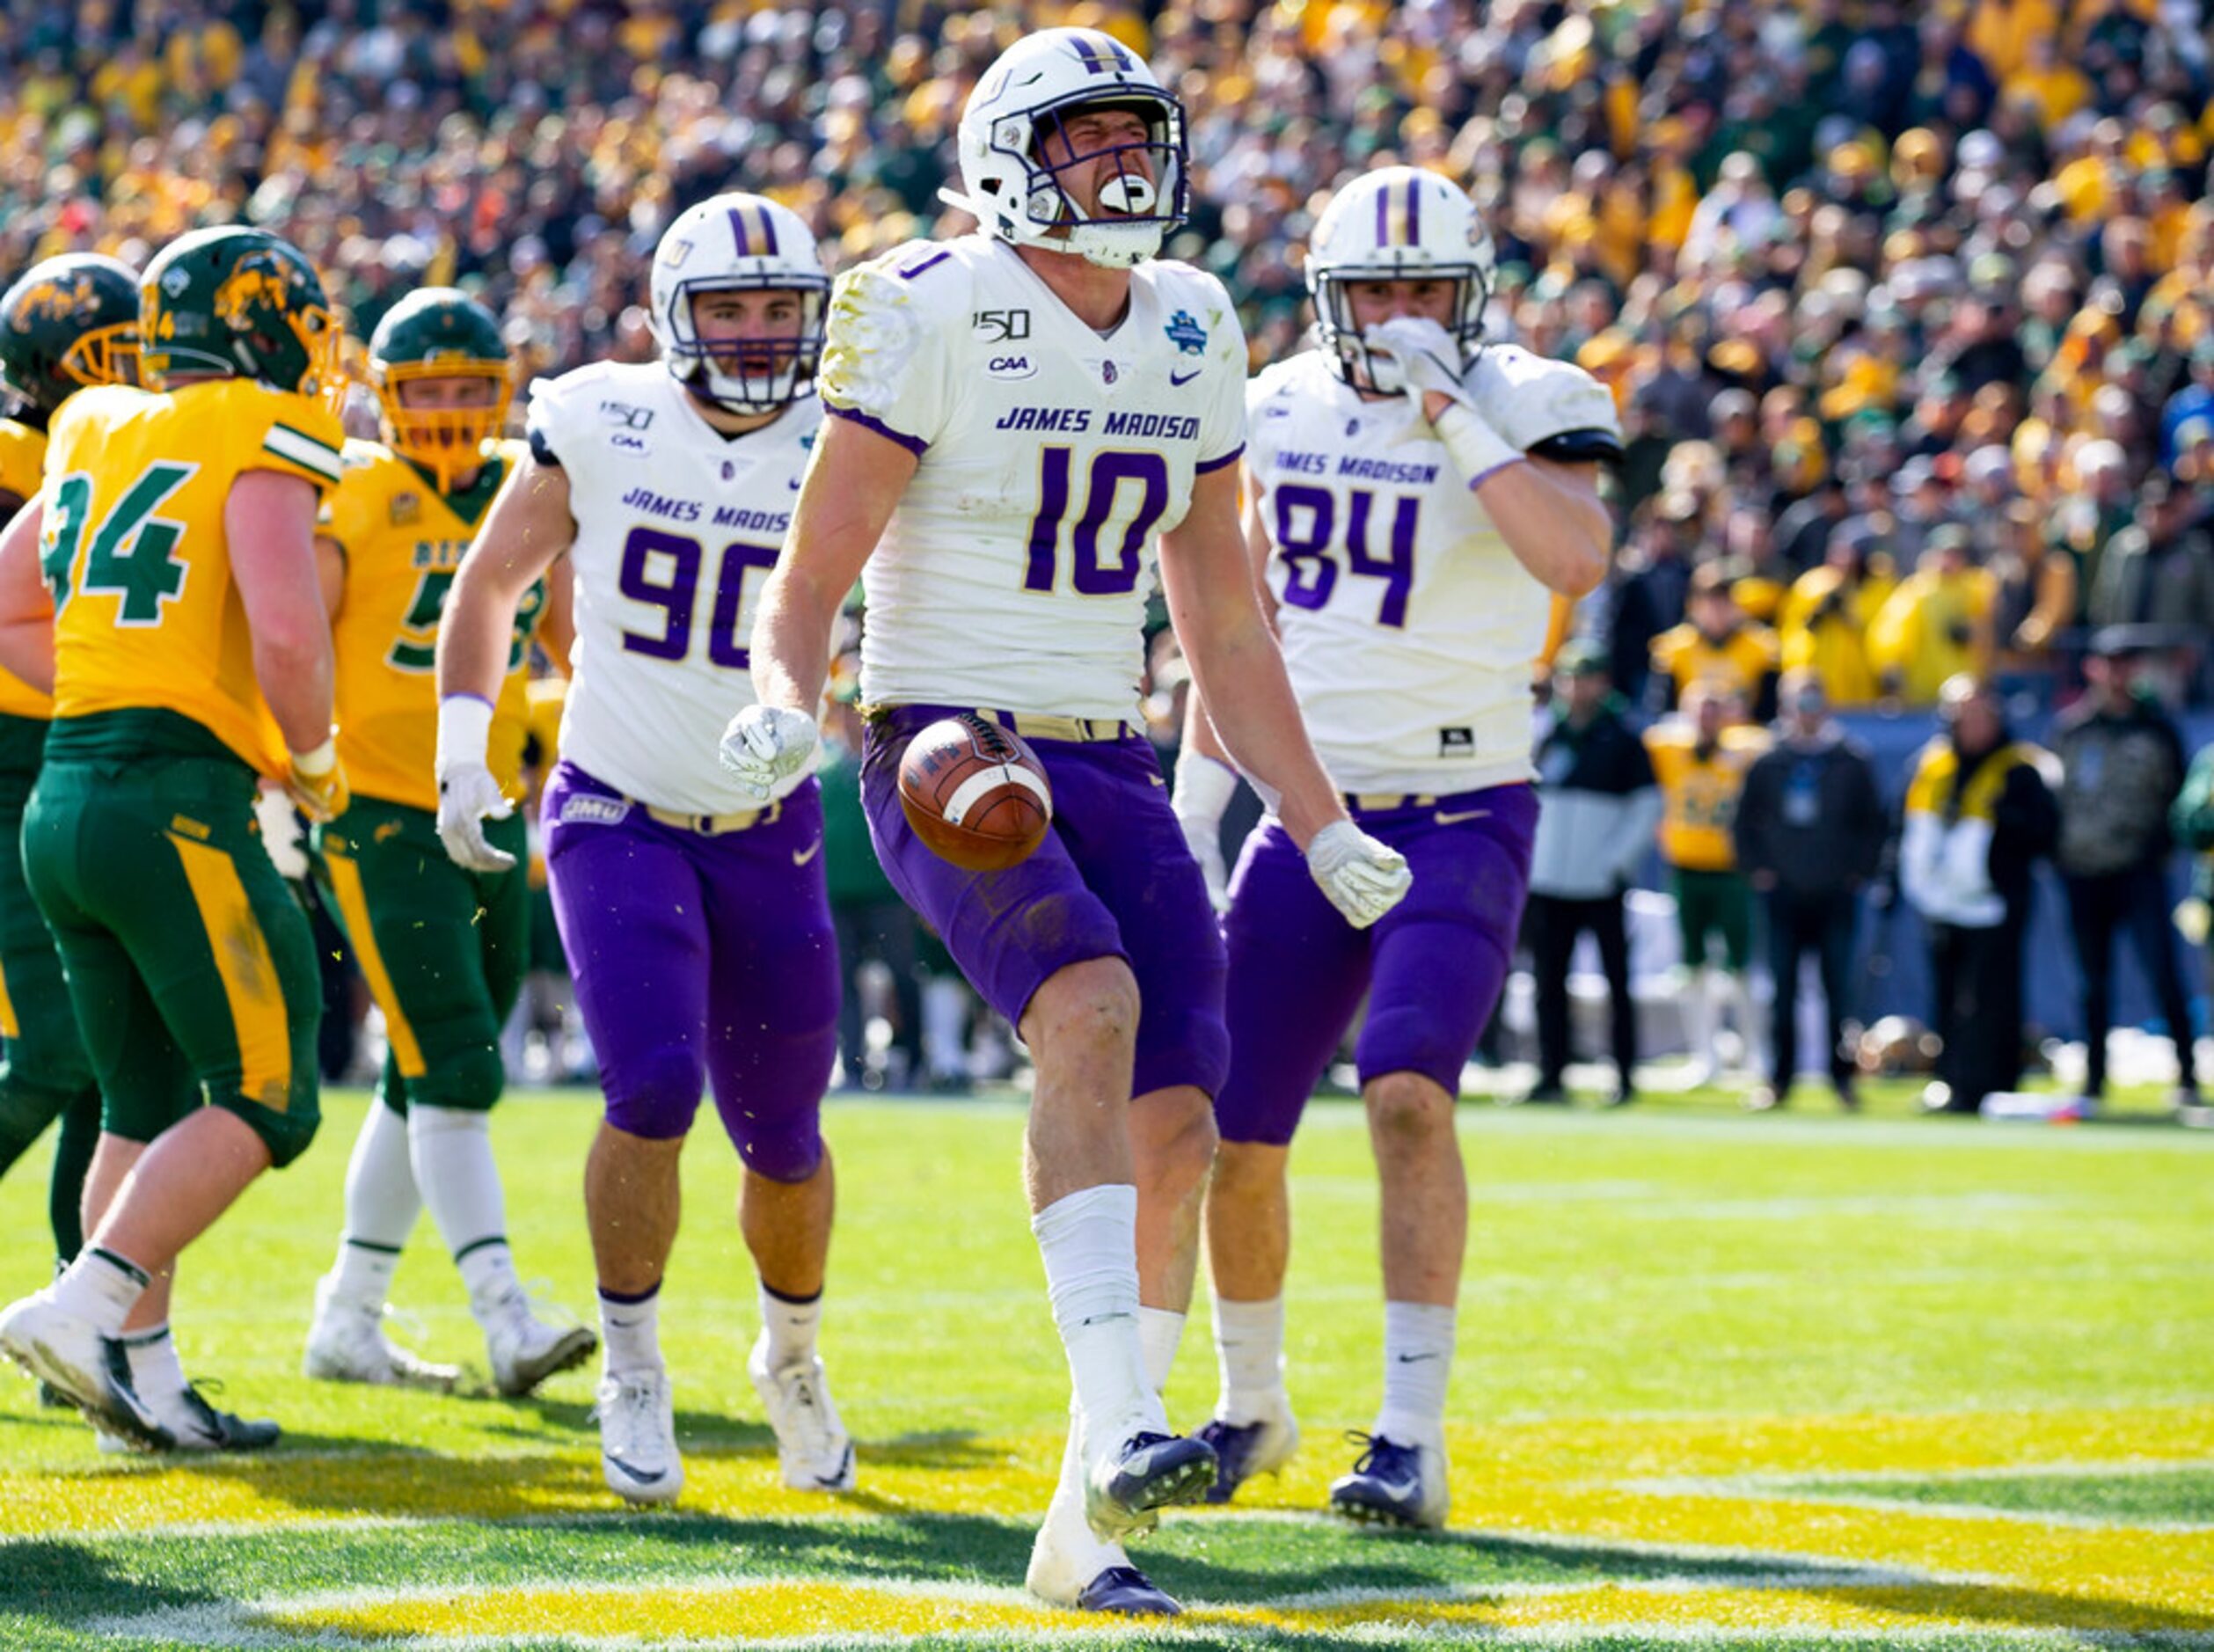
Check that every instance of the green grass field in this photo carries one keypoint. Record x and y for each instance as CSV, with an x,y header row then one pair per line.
x,y
1793,1381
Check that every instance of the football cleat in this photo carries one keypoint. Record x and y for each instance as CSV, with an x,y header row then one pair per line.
x,y
637,1437
1124,1493
347,1344
196,1426
525,1350
814,1450
1071,1569
1243,1450
1393,1485
91,1371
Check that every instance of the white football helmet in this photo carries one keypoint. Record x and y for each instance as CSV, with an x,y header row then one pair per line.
x,y
730,242
1396,224
1017,195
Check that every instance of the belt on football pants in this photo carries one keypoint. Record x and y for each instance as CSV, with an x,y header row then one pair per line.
x,y
1384,802
1034,726
714,825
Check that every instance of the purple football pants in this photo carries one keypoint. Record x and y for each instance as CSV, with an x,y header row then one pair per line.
x,y
701,963
1432,967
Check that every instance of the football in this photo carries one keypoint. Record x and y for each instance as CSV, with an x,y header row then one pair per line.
x,y
975,792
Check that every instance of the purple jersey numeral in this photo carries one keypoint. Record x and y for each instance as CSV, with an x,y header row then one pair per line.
x,y
1306,530
1103,487
677,596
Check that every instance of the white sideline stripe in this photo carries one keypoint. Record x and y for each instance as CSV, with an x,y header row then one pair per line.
x,y
966,794
1902,1506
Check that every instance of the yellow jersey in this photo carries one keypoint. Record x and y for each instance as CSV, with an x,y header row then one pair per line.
x,y
1699,791
1742,659
147,614
404,541
22,468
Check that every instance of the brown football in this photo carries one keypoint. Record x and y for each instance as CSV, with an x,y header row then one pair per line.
x,y
975,792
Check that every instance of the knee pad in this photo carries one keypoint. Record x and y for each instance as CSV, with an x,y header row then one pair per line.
x,y
655,1095
465,1081
779,1150
286,1135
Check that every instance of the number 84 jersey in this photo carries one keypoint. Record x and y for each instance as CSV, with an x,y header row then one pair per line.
x,y
1408,626
1015,571
678,527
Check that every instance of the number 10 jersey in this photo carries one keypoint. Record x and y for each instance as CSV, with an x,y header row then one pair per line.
x,y
1015,571
678,527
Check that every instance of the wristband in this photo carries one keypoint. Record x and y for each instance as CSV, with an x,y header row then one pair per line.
x,y
1204,787
1475,449
318,763
464,729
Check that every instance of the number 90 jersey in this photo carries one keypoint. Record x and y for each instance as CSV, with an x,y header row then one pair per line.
x,y
676,529
1015,571
1408,626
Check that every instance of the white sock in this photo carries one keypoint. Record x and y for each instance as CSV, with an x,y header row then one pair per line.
x,y
155,1367
1089,1241
102,1287
1418,1362
631,1333
1159,1330
791,1326
1249,1353
451,1151
382,1204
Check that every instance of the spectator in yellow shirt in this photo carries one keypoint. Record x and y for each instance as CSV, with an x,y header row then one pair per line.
x,y
1700,759
1937,625
1717,643
1823,628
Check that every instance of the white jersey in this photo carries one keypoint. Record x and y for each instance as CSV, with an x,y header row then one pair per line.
x,y
676,529
1408,626
1015,572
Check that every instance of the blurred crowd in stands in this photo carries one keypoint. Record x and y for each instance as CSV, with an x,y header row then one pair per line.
x,y
1908,307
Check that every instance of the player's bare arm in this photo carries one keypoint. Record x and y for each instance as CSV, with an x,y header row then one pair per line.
x,y
26,607
850,490
1551,516
269,516
557,621
525,532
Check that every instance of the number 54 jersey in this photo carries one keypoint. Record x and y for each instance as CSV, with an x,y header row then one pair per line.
x,y
1408,626
676,529
1015,571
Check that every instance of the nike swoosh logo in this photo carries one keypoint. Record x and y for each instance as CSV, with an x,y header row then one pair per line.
x,y
642,1476
1444,819
1187,378
1415,1359
801,856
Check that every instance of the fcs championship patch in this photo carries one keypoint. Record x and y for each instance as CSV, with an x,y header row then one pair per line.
x,y
1184,332
406,509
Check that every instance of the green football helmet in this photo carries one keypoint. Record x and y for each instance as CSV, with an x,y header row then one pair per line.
x,y
239,303
66,323
441,334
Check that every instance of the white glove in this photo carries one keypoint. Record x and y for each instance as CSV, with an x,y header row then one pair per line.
x,y
1203,790
1363,877
1421,357
466,790
466,794
280,833
765,744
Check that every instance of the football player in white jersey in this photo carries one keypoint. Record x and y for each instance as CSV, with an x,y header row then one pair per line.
x,y
1022,415
694,913
1416,500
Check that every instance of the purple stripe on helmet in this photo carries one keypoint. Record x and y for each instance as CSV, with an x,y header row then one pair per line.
x,y
768,229
1414,212
1384,217
738,230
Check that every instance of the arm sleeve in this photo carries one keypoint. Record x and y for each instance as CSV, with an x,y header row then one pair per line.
x,y
1552,409
889,358
1221,428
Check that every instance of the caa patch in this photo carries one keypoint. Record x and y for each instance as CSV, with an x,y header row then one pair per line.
x,y
1184,332
628,442
1011,367
589,808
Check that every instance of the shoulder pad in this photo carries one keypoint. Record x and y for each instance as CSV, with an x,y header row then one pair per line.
x,y
1531,400
879,314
